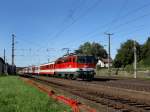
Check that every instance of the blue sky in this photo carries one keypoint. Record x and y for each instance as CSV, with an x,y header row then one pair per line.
x,y
44,27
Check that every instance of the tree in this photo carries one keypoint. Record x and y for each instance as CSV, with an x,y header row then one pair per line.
x,y
145,56
94,49
146,49
125,55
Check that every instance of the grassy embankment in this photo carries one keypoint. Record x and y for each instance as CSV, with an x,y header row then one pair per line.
x,y
17,96
127,73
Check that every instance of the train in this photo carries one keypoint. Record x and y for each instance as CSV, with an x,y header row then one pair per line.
x,y
70,66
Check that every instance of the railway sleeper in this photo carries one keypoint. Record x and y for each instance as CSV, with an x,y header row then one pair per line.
x,y
111,101
125,110
147,108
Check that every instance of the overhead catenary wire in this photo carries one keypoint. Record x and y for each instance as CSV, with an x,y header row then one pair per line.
x,y
130,21
75,20
118,15
72,12
123,17
131,12
75,6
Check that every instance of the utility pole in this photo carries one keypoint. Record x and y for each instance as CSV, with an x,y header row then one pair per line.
x,y
13,52
5,64
109,55
13,49
4,55
135,60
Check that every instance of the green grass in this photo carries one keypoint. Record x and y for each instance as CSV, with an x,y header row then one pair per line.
x,y
17,96
124,73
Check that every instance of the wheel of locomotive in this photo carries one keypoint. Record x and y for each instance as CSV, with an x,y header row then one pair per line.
x,y
66,76
91,77
83,77
72,76
59,75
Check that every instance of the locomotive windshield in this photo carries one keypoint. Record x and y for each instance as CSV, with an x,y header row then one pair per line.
x,y
86,59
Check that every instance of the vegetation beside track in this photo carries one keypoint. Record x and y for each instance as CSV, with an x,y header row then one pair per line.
x,y
16,96
123,73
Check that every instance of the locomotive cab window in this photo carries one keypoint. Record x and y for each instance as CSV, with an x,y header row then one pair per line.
x,y
81,59
86,59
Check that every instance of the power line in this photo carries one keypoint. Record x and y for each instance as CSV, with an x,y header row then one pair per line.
x,y
116,19
75,20
125,16
132,12
141,27
70,16
133,20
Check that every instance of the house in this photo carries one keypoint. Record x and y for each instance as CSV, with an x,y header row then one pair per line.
x,y
104,62
2,63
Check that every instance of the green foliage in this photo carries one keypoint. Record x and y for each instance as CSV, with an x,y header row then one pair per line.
x,y
98,67
16,96
94,49
125,55
129,68
145,61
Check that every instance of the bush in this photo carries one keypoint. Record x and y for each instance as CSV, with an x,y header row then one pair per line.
x,y
98,67
129,69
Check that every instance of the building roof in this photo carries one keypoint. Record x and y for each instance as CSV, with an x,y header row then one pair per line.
x,y
105,60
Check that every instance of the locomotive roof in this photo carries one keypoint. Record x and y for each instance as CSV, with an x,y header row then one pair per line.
x,y
47,63
74,55
70,55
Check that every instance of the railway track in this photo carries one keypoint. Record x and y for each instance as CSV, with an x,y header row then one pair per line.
x,y
115,102
138,85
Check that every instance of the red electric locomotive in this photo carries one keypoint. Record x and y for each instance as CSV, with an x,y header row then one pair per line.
x,y
76,66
